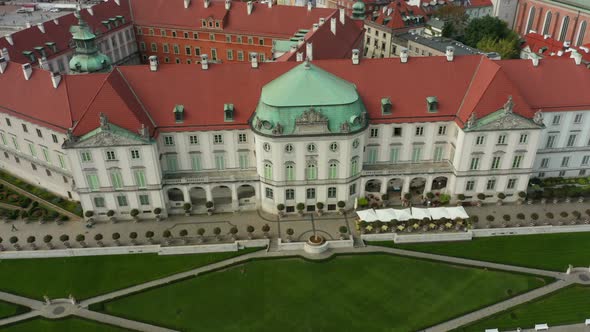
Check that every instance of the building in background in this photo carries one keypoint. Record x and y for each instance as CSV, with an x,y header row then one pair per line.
x,y
417,45
506,11
473,8
537,46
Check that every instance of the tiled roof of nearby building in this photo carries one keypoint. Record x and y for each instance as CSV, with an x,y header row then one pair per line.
x,y
440,44
549,47
134,95
279,21
398,14
59,33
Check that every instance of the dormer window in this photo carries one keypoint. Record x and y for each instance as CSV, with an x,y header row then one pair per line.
x,y
52,46
228,111
210,23
217,25
203,23
386,105
432,102
179,113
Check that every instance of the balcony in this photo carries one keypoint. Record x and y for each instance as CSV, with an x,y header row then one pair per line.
x,y
407,168
233,175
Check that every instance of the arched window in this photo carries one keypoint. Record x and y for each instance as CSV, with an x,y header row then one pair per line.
x,y
354,166
581,33
564,25
333,170
530,20
268,170
547,23
312,171
290,172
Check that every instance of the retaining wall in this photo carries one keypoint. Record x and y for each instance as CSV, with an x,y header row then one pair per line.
x,y
287,246
530,230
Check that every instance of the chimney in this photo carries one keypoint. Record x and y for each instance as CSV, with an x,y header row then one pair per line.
x,y
90,11
249,7
153,63
3,64
309,51
389,10
28,24
9,39
254,59
577,57
309,6
299,56
567,43
269,3
535,61
4,53
403,55
316,26
532,31
355,56
55,79
41,27
227,4
322,20
333,25
204,61
187,3
384,9
43,64
293,48
27,71
206,3
56,21
342,14
450,53
546,36
118,2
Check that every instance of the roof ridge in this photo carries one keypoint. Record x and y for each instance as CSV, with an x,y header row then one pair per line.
x,y
467,92
136,96
68,99
92,101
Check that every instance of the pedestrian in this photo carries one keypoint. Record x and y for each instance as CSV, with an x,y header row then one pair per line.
x,y
14,228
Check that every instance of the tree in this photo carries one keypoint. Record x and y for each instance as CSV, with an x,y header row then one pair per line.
x,y
265,230
98,238
455,18
233,231
116,237
149,235
508,47
31,241
14,241
250,230
217,232
290,233
47,239
80,239
201,232
183,233
133,237
485,27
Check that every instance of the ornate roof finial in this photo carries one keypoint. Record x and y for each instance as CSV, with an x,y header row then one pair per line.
x,y
144,132
104,121
509,105
538,117
306,63
471,120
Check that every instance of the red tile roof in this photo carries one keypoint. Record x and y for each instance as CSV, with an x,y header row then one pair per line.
x,y
553,47
394,13
467,84
28,39
278,21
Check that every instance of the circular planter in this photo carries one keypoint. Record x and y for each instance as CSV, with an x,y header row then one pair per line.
x,y
316,244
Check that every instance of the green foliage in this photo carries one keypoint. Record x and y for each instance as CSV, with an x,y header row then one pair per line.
x,y
481,196
280,207
461,197
341,204
343,229
488,27
449,30
490,218
300,206
444,198
501,195
320,205
508,47
363,202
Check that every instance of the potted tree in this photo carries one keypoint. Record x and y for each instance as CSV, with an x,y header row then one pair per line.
x,y
80,239
210,208
116,237
111,215
480,197
150,236
31,241
158,213
183,234
250,230
47,239
234,232
300,208
265,230
98,239
166,235
290,233
320,207
281,208
133,237
89,214
14,241
65,239
341,205
501,197
187,208
343,230
201,232
134,214
217,233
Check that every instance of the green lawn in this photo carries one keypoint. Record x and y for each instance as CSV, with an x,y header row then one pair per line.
x,y
362,292
85,277
61,325
547,251
567,306
9,309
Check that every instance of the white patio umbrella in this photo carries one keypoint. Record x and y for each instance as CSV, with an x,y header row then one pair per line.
x,y
403,215
420,214
367,215
386,215
457,212
439,213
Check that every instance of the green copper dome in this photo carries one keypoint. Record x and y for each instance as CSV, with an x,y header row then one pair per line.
x,y
308,100
87,58
358,10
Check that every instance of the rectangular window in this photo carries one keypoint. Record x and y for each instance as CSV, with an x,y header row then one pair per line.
x,y
93,183
54,137
565,161
269,193
116,180
250,40
197,51
550,142
15,143
32,150
419,131
523,139
416,154
193,139
230,54
39,133
397,131
62,161
585,160
571,140
162,32
438,153
165,48
86,156
135,154
511,184
474,163
261,41
242,138
220,161
352,189
491,184
140,178
544,162
196,162
45,154
371,155
168,140
442,130
496,162
214,54
578,118
111,155
331,192
176,49
244,160
154,47
99,202
290,172
3,138
469,185
8,122
289,194
516,162
142,46
240,56
171,163
218,139
144,199
394,155
187,50
561,173
556,119
374,132
502,139
122,200
310,193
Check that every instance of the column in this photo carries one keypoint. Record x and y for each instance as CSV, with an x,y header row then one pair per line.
x,y
234,197
185,194
406,185
383,190
208,193
427,185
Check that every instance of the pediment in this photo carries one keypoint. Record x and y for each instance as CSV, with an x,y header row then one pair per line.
x,y
109,138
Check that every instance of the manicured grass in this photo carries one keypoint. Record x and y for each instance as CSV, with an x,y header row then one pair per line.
x,y
547,251
348,293
9,309
85,277
62,325
567,306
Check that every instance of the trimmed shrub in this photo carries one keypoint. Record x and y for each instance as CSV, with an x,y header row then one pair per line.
x,y
209,204
89,214
444,198
521,194
300,207
564,214
341,204
281,207
187,206
363,202
520,216
110,213
250,229
429,195
157,210
501,195
134,212
266,228
506,217
534,216
481,196
343,229
461,197
549,215
407,196
290,231
320,205
474,218
490,218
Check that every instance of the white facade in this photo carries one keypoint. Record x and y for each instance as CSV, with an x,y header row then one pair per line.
x,y
506,11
